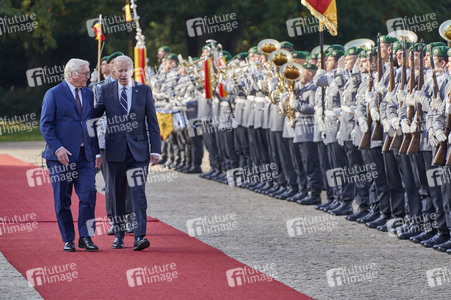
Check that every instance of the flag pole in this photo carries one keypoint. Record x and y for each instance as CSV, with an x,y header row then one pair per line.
x,y
321,52
99,51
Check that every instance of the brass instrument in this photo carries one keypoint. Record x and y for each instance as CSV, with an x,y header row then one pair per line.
x,y
291,72
406,35
268,46
445,31
278,58
365,44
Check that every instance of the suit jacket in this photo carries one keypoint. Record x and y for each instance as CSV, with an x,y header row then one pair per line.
x,y
139,129
62,125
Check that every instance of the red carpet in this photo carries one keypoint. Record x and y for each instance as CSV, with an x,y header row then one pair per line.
x,y
176,265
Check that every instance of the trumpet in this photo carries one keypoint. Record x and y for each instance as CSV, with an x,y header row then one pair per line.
x,y
290,72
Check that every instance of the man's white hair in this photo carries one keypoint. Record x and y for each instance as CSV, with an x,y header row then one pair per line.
x,y
74,65
123,58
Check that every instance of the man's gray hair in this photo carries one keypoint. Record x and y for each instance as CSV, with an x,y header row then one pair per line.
x,y
123,58
74,65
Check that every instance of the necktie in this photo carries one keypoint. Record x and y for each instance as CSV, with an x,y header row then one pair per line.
x,y
123,100
77,99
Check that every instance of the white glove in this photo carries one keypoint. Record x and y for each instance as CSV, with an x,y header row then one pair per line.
x,y
401,96
405,126
380,87
337,111
320,72
363,124
435,103
432,140
353,134
369,96
341,64
419,95
395,123
440,135
375,114
94,76
353,108
340,142
385,125
293,101
356,68
410,100
283,97
273,83
413,127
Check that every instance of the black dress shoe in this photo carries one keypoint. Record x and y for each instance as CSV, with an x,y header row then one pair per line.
x,y
371,216
310,200
378,222
69,246
140,244
186,168
291,191
194,170
443,247
437,239
405,232
344,209
332,206
357,215
118,243
325,204
86,243
272,190
264,188
282,189
302,194
425,235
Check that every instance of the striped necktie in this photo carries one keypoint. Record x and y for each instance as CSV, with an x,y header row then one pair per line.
x,y
123,100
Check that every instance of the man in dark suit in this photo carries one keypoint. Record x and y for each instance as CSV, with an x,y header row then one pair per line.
x,y
71,153
132,140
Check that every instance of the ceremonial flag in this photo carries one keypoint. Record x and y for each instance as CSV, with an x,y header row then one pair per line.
x,y
208,83
140,64
165,123
325,11
128,16
222,91
98,32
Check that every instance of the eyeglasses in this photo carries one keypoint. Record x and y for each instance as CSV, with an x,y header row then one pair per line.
x,y
87,74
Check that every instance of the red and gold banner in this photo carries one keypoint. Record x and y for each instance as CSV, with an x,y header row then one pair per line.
x,y
98,32
208,83
325,11
222,91
140,64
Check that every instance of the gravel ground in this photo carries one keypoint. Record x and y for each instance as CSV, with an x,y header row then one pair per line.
x,y
253,229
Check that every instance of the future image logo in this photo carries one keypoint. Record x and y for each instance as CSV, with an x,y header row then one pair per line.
x,y
211,25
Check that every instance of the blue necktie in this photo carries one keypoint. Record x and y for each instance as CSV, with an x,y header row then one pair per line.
x,y
123,100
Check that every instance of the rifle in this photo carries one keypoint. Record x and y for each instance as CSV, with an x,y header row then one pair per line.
x,y
391,86
397,139
447,131
366,137
377,130
440,150
410,110
414,147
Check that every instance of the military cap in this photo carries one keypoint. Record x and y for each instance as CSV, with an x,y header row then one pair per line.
x,y
416,48
164,49
253,49
433,45
307,53
113,56
334,47
172,56
388,39
353,51
440,51
104,58
242,55
312,56
310,66
286,45
335,53
363,53
225,52
298,54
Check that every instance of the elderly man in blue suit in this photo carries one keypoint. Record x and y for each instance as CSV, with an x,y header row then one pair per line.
x,y
71,153
132,141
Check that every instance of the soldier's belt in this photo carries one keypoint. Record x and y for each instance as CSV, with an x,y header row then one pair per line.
x,y
259,99
346,109
240,100
330,113
224,103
